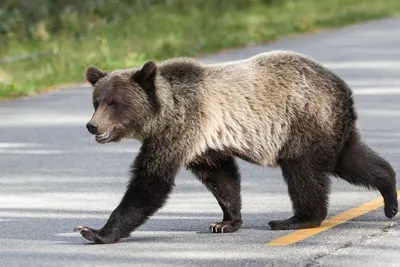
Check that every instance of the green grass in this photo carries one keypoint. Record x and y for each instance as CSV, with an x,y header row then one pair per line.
x,y
163,31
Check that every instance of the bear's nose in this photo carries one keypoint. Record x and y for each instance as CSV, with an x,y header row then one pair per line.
x,y
92,127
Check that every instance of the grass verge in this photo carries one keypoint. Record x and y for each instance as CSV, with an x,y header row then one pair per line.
x,y
164,31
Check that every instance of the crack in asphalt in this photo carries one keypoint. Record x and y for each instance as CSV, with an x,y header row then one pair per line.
x,y
314,261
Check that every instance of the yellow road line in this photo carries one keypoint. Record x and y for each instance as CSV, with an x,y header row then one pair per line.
x,y
302,234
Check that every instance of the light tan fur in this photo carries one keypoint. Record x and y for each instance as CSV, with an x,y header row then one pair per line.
x,y
250,106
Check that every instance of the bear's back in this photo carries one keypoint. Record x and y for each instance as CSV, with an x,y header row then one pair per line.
x,y
259,105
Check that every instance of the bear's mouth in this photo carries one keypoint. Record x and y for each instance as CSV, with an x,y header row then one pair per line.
x,y
104,137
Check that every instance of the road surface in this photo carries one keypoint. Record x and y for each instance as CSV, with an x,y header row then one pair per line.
x,y
54,176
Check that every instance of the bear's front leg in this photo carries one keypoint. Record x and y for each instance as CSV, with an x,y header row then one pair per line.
x,y
220,174
153,175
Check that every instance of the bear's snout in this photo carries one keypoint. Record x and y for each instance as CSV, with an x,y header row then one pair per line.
x,y
92,127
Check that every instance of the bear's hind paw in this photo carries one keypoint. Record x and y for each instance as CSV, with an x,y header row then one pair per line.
x,y
294,223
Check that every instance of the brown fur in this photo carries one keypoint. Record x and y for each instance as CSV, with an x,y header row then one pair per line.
x,y
274,109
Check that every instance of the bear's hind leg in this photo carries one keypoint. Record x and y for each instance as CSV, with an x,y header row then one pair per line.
x,y
308,190
220,175
359,165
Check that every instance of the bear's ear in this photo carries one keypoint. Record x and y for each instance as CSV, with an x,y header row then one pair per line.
x,y
146,75
93,74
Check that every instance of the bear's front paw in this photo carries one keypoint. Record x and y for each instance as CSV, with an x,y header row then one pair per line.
x,y
94,235
225,227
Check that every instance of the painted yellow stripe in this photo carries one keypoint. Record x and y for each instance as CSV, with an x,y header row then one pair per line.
x,y
302,234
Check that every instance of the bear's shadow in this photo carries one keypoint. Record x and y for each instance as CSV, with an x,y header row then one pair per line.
x,y
60,229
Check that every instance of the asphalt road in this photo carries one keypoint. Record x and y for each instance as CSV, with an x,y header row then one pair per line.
x,y
54,176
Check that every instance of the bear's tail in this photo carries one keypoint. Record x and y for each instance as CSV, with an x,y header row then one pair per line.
x,y
359,165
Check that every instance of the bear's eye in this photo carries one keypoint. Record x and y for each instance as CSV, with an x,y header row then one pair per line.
x,y
96,104
113,103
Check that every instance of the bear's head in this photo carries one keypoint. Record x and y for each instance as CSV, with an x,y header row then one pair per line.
x,y
124,102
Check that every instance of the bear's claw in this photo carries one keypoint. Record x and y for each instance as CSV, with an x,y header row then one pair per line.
x,y
224,227
80,228
92,235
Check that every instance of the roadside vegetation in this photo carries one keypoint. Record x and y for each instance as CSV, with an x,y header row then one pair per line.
x,y
46,43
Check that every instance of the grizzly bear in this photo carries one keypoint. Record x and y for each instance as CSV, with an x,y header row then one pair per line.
x,y
276,109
